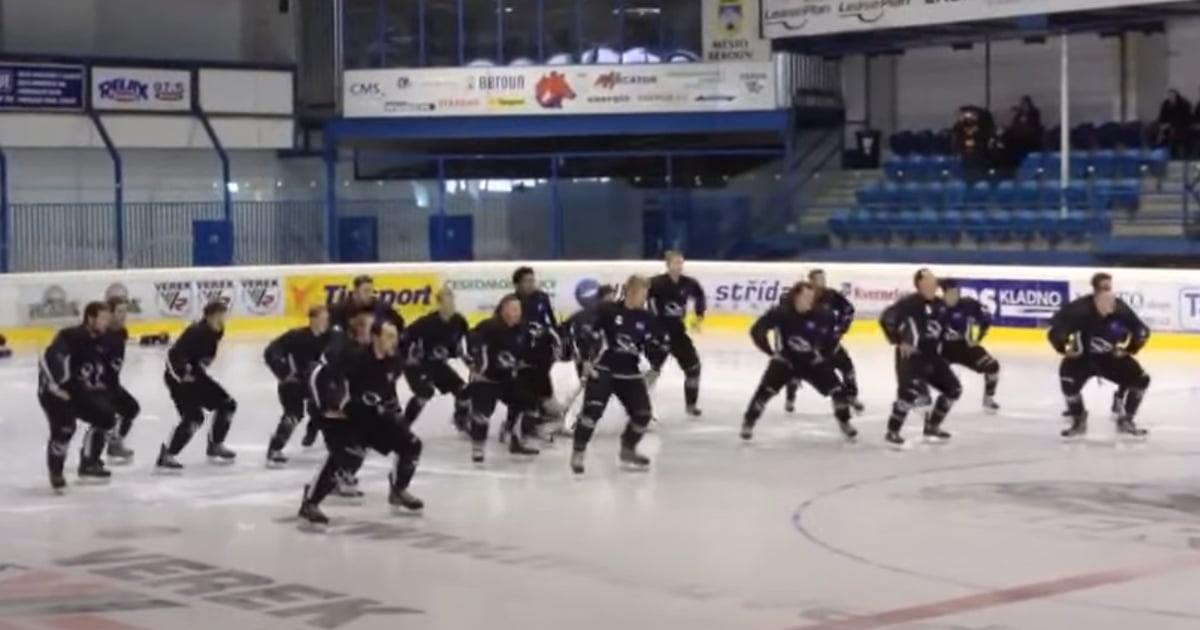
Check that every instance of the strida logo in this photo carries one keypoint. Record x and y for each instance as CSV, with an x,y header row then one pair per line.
x,y
261,296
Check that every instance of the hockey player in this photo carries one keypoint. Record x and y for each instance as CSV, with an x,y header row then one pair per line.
x,y
1098,335
493,347
842,312
542,349
428,345
71,385
914,324
194,391
114,342
669,296
966,324
291,357
1102,282
626,331
579,331
358,401
806,339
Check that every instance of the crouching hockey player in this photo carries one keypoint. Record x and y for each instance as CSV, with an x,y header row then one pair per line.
x,y
542,348
842,312
428,345
356,393
291,357
805,340
966,323
70,387
580,339
114,343
493,347
1098,335
625,331
914,325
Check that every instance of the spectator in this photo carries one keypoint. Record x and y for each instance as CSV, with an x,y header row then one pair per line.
x,y
1174,123
1025,132
973,140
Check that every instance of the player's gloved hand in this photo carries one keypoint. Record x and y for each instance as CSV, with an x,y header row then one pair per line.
x,y
906,350
698,325
589,371
1120,353
1072,353
651,377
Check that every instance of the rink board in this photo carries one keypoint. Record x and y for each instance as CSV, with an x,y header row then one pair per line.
x,y
266,300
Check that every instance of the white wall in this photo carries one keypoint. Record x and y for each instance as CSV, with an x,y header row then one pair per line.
x,y
210,30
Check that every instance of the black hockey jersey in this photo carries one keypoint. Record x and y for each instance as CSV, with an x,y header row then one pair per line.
x,y
292,355
801,338
966,321
537,314
73,363
494,348
915,321
1079,323
624,334
371,379
112,345
327,380
189,358
839,308
669,299
579,333
432,339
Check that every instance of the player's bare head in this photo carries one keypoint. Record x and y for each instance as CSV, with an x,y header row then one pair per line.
x,y
445,300
524,280
802,294
215,312
636,288
1106,302
817,278
950,292
359,320
364,288
384,337
509,309
97,316
118,305
606,293
1101,282
674,262
318,318
925,282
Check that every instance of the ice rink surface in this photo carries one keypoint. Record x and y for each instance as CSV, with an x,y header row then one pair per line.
x,y
1006,528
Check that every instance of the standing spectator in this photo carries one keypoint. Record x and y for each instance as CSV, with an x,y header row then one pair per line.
x,y
972,142
1026,131
1174,123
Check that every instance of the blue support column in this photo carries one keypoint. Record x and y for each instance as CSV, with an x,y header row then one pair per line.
x,y
421,52
461,26
118,186
331,202
541,31
439,239
380,33
672,241
5,246
500,32
556,218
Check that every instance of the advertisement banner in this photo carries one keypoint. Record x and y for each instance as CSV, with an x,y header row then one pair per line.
x,y
1158,305
531,90
1018,303
478,293
731,32
41,86
175,299
1189,309
410,294
260,297
62,304
798,18
141,89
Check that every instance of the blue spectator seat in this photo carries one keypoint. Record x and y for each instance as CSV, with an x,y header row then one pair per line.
x,y
902,143
1006,194
1154,162
1104,164
1024,223
910,194
1029,194
956,193
1076,195
1032,166
895,167
950,225
915,167
979,195
933,194
975,224
869,194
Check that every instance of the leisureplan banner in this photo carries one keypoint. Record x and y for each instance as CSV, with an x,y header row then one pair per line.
x,y
536,90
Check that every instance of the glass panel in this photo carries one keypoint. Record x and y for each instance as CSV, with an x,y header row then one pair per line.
x,y
608,207
441,32
521,31
399,47
681,20
510,206
560,25
482,30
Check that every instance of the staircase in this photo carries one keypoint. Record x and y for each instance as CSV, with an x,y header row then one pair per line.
x,y
1161,213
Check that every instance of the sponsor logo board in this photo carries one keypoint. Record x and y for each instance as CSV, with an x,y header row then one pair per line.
x,y
410,294
141,89
1018,303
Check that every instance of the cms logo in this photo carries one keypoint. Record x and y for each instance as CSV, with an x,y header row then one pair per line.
x,y
1189,308
366,90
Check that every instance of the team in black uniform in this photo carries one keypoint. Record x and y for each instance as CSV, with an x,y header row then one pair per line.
x,y
291,358
806,338
494,348
71,387
965,325
915,325
355,391
1099,335
624,331
194,391
114,343
1102,282
668,297
842,312
542,348
428,345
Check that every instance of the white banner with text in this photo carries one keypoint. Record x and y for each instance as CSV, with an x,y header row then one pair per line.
x,y
141,89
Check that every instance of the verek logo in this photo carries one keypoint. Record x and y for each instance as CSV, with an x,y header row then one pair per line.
x,y
216,291
124,90
261,296
174,298
552,89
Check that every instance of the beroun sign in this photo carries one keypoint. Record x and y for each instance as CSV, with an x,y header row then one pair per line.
x,y
598,89
798,18
731,32
141,89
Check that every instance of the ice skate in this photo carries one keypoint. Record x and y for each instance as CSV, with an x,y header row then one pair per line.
x,y
848,430
577,462
167,464
692,411
857,406
347,487
58,483
1078,427
1126,427
477,453
93,471
118,453
789,406
217,453
310,513
747,432
406,500
276,459
310,436
633,459
1118,409
894,439
990,405
517,446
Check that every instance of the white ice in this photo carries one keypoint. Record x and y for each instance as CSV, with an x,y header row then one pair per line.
x,y
794,531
